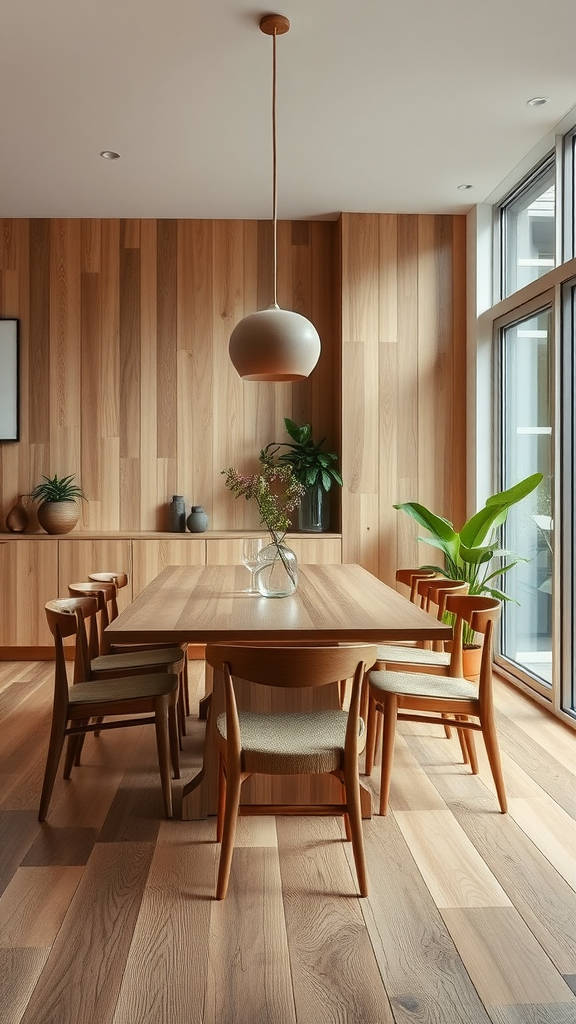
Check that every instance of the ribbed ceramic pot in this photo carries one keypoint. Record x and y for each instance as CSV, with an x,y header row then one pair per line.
x,y
58,516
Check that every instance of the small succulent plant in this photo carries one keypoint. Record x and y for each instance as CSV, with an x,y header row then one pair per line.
x,y
57,489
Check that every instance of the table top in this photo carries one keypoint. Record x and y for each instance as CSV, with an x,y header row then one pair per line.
x,y
200,604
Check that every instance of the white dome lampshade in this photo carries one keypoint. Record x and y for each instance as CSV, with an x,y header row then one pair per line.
x,y
274,344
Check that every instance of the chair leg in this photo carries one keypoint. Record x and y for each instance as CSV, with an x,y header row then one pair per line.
x,y
471,746
389,735
221,799
233,784
174,741
354,816
371,729
163,745
463,741
493,752
181,703
447,730
57,735
185,682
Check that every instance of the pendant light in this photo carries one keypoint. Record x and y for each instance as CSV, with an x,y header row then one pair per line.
x,y
274,344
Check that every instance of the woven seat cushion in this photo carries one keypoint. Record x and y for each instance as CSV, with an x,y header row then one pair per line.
x,y
126,688
292,744
141,659
419,684
392,654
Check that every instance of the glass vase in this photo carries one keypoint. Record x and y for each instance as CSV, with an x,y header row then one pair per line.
x,y
277,572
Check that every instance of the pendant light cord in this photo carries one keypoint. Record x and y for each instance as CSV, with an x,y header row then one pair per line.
x,y
274,173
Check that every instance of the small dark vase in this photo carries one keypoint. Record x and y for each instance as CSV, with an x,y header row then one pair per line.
x,y
177,509
197,521
314,510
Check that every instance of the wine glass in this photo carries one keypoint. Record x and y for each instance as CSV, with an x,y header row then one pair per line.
x,y
250,548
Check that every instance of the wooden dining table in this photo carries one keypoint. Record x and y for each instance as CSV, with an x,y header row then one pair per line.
x,y
332,603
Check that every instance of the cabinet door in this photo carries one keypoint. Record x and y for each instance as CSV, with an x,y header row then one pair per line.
x,y
78,558
228,551
29,578
149,557
317,550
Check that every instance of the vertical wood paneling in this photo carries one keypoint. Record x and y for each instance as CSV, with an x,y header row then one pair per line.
x,y
152,506
39,342
167,304
129,321
418,364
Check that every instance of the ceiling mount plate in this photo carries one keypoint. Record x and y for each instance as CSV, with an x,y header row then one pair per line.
x,y
274,24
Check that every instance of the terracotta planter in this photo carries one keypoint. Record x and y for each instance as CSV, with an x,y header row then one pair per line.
x,y
471,659
58,516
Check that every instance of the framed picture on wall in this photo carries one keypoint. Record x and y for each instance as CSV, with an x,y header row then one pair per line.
x,y
9,392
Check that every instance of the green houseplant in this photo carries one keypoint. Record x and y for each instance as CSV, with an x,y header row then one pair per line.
x,y
312,467
59,510
469,553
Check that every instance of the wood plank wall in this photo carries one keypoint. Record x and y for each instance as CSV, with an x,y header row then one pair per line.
x,y
403,382
125,375
126,380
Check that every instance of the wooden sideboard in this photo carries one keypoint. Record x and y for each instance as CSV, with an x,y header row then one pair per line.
x,y
34,568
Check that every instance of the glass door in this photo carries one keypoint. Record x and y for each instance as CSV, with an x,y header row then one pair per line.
x,y
526,417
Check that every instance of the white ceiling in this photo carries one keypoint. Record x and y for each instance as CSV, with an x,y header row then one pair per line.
x,y
382,107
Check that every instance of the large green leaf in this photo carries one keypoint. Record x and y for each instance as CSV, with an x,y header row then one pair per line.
x,y
440,528
517,492
476,556
475,531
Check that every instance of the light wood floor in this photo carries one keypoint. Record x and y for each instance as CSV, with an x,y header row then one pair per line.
x,y
107,915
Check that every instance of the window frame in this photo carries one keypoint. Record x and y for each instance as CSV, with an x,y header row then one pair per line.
x,y
542,168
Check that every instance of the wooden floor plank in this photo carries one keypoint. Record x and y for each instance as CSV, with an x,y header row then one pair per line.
x,y
248,959
422,972
83,973
551,830
334,970
18,830
505,962
19,972
47,889
453,870
543,898
172,931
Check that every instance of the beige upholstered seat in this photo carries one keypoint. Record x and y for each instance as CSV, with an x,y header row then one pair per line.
x,y
421,697
314,742
153,696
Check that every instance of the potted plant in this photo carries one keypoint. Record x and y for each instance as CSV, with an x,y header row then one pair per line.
x,y
59,510
470,551
313,468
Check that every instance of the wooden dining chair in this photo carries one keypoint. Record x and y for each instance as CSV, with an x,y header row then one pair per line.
x,y
293,743
428,698
153,696
106,662
121,580
432,594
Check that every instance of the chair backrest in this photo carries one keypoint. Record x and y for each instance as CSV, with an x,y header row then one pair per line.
x,y
290,666
410,578
67,617
434,592
120,579
481,613
105,594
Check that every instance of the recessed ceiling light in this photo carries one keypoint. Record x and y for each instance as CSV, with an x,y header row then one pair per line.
x,y
109,154
538,101
464,188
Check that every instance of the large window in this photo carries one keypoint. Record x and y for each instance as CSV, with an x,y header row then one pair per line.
x,y
526,417
527,229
